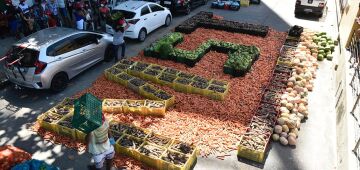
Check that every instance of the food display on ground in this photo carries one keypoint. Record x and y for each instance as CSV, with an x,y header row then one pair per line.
x,y
142,107
11,156
267,101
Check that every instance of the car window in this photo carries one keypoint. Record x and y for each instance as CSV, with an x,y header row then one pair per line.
x,y
145,10
155,8
72,43
86,39
127,14
61,47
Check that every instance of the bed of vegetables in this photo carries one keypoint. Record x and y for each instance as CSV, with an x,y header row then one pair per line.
x,y
268,101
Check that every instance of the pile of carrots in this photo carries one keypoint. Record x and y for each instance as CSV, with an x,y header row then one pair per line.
x,y
11,156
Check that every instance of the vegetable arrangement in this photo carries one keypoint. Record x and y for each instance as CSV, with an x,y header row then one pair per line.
x,y
240,59
142,107
205,20
320,44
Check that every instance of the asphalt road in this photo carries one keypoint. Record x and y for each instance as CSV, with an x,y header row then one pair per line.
x,y
20,107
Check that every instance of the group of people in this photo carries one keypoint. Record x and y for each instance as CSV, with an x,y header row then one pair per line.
x,y
22,19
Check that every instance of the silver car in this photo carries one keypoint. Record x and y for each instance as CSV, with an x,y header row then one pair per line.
x,y
48,59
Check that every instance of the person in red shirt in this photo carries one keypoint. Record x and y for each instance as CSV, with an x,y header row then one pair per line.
x,y
104,14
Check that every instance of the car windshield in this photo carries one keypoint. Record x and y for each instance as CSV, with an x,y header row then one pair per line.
x,y
127,14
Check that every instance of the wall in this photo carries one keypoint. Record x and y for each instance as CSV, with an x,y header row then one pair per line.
x,y
345,101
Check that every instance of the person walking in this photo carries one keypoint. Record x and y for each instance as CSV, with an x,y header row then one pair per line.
x,y
120,26
100,145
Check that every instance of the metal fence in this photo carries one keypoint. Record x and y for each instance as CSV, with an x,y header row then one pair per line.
x,y
354,61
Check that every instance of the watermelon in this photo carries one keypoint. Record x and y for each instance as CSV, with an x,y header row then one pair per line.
x,y
320,57
329,57
336,42
327,48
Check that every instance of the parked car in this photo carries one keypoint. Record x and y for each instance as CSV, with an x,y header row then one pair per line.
x,y
143,18
316,7
182,5
49,58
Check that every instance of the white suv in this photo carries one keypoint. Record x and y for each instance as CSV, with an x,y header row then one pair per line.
x,y
143,17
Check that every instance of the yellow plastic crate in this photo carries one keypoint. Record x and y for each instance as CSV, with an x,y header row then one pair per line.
x,y
187,166
132,152
166,145
154,162
46,125
147,94
139,110
113,109
66,131
254,155
170,102
155,111
216,95
284,63
150,77
122,81
181,87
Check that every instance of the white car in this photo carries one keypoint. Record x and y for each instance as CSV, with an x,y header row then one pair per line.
x,y
143,18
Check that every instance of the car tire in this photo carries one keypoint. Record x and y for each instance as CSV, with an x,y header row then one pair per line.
x,y
108,56
59,82
142,35
188,9
167,21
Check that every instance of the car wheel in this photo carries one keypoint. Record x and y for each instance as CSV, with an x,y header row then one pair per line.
x,y
142,35
108,54
188,9
59,82
167,21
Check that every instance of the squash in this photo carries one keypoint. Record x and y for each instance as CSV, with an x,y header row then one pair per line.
x,y
278,129
283,141
292,140
275,137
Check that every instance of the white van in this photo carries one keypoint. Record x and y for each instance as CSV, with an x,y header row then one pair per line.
x,y
316,7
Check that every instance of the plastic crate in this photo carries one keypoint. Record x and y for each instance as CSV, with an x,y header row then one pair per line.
x,y
155,111
132,152
66,131
181,87
250,154
187,166
217,95
155,162
80,136
49,125
147,94
166,83
245,3
113,109
138,110
88,113
122,81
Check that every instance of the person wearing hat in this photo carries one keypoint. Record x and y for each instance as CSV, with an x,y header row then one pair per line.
x,y
100,144
120,26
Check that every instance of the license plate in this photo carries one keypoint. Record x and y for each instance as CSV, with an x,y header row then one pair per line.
x,y
167,2
308,10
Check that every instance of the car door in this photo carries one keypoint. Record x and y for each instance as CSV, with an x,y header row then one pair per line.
x,y
158,14
147,18
75,53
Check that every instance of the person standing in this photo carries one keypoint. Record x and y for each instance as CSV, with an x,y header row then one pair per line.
x,y
118,39
79,15
12,15
104,15
23,9
70,7
63,12
100,145
53,7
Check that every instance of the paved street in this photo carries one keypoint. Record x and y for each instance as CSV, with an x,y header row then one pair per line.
x,y
20,107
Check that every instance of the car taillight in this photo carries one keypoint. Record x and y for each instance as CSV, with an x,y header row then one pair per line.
x,y
40,66
321,5
298,2
133,21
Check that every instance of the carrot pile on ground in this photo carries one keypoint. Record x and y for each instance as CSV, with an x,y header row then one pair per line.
x,y
214,126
